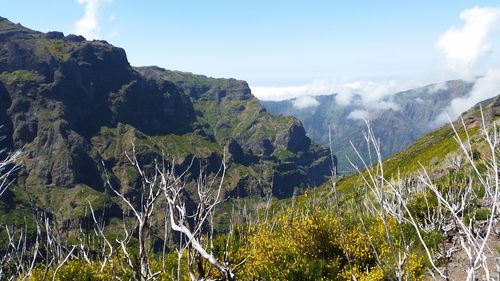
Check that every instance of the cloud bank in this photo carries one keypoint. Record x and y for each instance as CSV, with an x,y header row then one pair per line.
x,y
463,47
305,102
369,91
467,51
315,88
485,87
359,114
368,96
88,24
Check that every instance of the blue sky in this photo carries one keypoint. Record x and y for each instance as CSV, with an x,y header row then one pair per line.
x,y
268,43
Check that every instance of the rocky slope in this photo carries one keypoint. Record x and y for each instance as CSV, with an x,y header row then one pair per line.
x,y
397,129
77,106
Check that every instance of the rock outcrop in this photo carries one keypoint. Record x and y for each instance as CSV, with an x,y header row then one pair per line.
x,y
74,104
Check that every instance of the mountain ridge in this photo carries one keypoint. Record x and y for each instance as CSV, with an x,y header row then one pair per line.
x,y
411,115
73,104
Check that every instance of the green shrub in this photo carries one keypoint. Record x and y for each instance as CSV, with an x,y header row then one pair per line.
x,y
482,214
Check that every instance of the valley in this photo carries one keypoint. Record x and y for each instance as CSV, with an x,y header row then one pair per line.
x,y
110,171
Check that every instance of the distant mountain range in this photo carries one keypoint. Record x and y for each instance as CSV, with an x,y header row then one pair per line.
x,y
411,115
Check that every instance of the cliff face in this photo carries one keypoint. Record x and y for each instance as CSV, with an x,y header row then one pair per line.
x,y
60,92
271,146
75,104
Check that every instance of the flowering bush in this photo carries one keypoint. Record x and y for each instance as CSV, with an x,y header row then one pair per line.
x,y
310,247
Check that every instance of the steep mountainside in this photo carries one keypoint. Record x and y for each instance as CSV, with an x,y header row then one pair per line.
x,y
397,129
76,107
452,181
438,152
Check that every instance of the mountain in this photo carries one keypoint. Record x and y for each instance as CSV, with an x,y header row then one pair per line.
x,y
453,180
76,107
438,152
411,115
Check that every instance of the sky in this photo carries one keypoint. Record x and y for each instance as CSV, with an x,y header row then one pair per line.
x,y
290,48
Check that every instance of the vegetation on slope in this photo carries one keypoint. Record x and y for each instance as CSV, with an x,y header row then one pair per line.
x,y
392,221
76,107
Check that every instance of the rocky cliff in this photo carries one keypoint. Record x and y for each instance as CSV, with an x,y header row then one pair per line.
x,y
77,106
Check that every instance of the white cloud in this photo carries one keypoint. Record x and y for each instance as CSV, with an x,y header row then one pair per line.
x,y
468,51
315,88
368,96
112,17
465,46
442,86
485,87
278,93
358,114
88,25
369,91
305,102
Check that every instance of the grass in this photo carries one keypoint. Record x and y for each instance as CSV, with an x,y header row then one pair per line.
x,y
21,76
72,202
181,145
230,118
429,151
66,203
283,154
55,47
16,219
119,140
482,214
